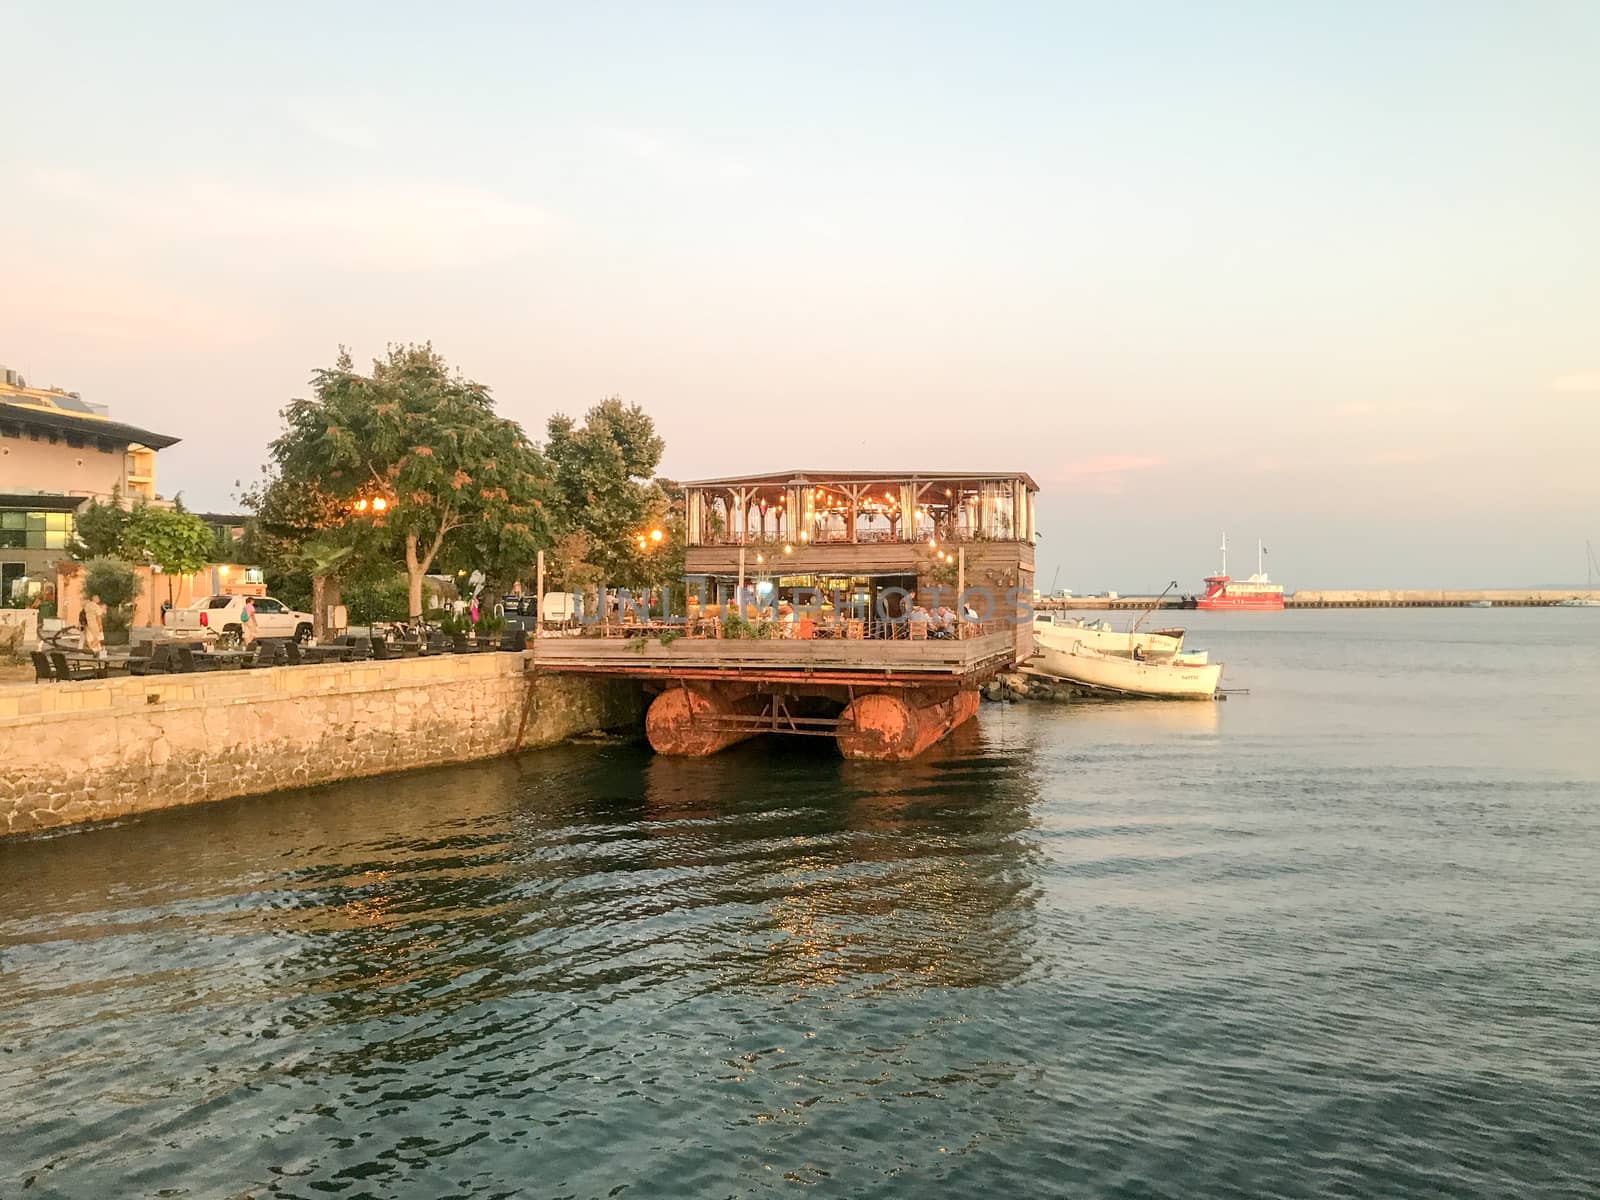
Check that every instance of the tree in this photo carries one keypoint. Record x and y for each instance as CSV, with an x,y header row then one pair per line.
x,y
176,541
568,563
98,528
115,583
426,443
307,538
601,473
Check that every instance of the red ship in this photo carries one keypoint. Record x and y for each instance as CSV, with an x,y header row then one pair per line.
x,y
1256,594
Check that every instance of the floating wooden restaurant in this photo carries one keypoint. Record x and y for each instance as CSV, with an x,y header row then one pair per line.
x,y
866,606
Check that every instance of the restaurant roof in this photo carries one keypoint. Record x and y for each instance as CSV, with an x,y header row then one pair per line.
x,y
60,411
777,478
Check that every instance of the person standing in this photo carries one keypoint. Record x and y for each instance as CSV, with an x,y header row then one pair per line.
x,y
94,626
247,622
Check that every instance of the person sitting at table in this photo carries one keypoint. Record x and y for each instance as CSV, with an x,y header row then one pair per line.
x,y
919,616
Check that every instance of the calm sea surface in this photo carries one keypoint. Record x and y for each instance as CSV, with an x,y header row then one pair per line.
x,y
1340,936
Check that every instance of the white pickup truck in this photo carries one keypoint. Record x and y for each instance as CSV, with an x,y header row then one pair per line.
x,y
220,615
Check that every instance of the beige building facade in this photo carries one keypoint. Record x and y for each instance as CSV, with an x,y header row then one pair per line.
x,y
57,453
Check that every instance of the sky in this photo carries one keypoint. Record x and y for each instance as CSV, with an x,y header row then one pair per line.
x,y
1324,275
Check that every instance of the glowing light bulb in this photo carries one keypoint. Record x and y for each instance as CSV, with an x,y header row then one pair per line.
x,y
379,504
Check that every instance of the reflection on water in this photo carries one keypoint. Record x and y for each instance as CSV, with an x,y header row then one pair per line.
x,y
446,926
1336,936
1142,719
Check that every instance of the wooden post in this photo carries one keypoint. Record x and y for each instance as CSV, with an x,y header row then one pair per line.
x,y
961,586
538,598
738,596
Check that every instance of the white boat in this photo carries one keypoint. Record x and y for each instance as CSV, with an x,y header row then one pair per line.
x,y
1479,604
1128,676
1099,635
1191,658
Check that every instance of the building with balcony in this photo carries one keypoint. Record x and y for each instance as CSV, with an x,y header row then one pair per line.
x,y
864,534
58,452
864,606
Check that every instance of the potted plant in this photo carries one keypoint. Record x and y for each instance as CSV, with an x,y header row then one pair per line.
x,y
456,627
489,627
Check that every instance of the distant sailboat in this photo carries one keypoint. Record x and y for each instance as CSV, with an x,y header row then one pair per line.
x,y
1585,601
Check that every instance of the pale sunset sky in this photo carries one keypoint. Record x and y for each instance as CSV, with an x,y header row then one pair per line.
x,y
1326,274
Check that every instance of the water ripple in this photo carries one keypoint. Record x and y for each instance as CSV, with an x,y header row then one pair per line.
x,y
1071,953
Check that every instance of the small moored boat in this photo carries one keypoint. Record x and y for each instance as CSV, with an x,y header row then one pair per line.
x,y
1099,635
1128,676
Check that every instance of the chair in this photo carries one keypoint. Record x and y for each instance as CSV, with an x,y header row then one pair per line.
x,y
380,648
292,651
41,667
274,653
66,669
855,629
189,662
917,631
159,662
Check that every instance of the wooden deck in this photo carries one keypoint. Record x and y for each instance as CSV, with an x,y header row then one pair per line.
x,y
777,660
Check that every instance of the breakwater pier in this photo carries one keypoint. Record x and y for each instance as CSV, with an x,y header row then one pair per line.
x,y
1357,598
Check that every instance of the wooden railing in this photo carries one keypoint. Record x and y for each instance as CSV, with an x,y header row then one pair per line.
x,y
769,628
864,537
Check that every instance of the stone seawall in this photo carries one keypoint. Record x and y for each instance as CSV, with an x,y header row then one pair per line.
x,y
96,749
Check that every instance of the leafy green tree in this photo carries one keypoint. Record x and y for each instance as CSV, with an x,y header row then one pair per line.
x,y
567,564
178,542
380,598
602,473
426,442
308,541
98,528
225,547
116,584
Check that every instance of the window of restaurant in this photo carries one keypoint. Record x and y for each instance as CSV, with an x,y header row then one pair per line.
x,y
35,530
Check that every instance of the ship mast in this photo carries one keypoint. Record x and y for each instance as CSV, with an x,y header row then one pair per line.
x,y
1224,570
1260,557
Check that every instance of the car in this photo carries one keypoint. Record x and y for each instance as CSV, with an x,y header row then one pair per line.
x,y
223,615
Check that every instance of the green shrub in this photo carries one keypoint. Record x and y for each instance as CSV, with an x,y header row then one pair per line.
x,y
381,599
